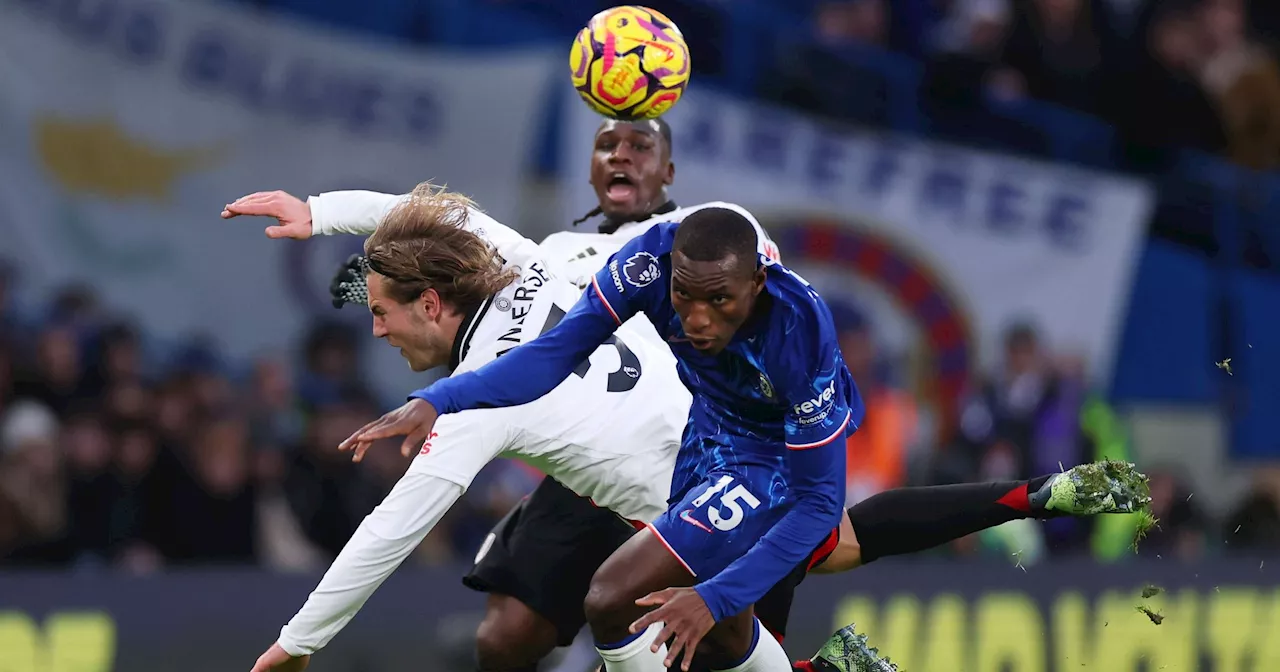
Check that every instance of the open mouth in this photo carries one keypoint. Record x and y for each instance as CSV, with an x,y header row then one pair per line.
x,y
701,343
620,188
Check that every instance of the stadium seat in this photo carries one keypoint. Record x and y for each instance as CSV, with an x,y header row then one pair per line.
x,y
1170,321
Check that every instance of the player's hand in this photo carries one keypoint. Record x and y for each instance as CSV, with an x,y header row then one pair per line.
x,y
293,216
349,284
684,616
277,659
414,421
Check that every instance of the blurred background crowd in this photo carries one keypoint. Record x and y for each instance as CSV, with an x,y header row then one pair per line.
x,y
117,450
116,454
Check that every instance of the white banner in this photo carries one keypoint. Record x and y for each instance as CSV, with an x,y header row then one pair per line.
x,y
944,247
125,126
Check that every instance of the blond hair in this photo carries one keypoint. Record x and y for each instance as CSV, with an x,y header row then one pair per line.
x,y
422,244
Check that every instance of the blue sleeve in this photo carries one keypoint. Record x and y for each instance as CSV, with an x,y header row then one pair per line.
x,y
631,282
817,389
528,372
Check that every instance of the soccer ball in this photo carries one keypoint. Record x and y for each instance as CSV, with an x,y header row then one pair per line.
x,y
630,62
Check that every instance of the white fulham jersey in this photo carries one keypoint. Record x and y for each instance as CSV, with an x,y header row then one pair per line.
x,y
609,432
577,256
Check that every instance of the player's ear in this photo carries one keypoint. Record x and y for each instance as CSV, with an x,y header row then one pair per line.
x,y
757,281
670,177
429,300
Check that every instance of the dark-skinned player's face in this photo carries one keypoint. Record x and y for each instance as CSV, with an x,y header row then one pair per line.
x,y
630,169
713,298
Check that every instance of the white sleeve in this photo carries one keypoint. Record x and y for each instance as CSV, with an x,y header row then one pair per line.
x,y
459,447
384,539
357,212
360,213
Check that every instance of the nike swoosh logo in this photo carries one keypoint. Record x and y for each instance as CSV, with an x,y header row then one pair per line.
x,y
687,516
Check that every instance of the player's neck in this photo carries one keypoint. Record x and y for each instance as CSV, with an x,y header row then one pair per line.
x,y
758,318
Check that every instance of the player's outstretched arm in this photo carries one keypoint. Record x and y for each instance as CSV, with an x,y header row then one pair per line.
x,y
384,539
355,212
523,374
530,371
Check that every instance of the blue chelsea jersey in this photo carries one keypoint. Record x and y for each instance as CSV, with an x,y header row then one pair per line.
x,y
779,397
781,379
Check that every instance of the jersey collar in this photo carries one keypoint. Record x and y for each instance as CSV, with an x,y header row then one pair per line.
x,y
467,329
611,225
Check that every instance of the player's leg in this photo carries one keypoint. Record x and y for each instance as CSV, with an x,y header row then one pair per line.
x,y
909,520
512,637
537,565
846,650
681,548
643,565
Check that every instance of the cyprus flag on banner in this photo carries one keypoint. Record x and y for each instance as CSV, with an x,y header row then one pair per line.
x,y
125,126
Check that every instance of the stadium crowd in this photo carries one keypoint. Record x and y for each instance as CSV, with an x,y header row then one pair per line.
x,y
1165,73
114,451
117,453
1118,84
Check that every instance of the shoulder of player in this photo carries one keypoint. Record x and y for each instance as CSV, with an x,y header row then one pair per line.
x,y
567,238
485,226
569,245
798,314
516,315
656,242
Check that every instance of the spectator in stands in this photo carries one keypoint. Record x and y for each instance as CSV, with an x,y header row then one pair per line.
x,y
821,74
1162,106
842,23
1253,526
33,510
275,422
878,451
966,71
114,359
1057,48
330,365
92,492
204,377
55,376
1264,18
174,414
968,44
1182,528
1244,81
140,484
77,308
1022,419
327,493
212,515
